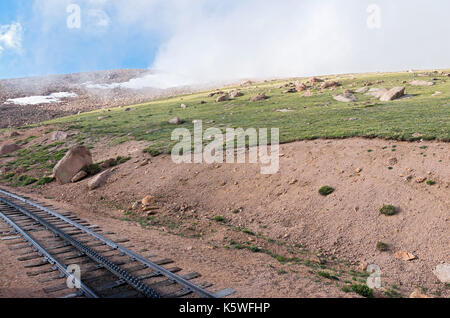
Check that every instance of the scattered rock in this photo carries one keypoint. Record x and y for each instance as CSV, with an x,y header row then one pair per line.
x,y
436,93
393,161
136,205
393,94
79,176
14,134
222,98
362,266
76,159
405,256
313,80
285,110
175,121
421,179
418,294
346,98
99,180
377,92
148,201
58,136
8,148
329,84
421,83
259,97
236,93
4,170
442,272
308,93
101,117
247,83
301,87
183,106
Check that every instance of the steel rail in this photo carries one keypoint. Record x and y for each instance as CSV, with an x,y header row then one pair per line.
x,y
133,281
85,290
183,282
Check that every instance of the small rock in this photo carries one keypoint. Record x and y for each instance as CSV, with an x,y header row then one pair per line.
x,y
421,179
14,134
136,205
183,106
421,83
418,294
222,98
79,176
148,200
236,93
393,161
346,98
175,121
313,80
101,117
405,256
442,272
362,266
308,93
358,170
99,180
377,92
259,97
301,87
393,94
6,149
58,136
329,84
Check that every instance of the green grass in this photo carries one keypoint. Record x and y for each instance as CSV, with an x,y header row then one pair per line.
x,y
362,290
45,180
388,210
326,190
219,219
382,247
314,117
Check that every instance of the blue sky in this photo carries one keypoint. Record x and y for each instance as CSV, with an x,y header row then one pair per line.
x,y
207,40
62,50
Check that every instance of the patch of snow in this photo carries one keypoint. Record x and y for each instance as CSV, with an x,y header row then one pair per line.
x,y
158,81
36,100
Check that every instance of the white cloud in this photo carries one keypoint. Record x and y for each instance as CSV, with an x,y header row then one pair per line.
x,y
216,40
11,37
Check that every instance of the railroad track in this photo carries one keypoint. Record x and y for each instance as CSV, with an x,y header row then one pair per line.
x,y
72,258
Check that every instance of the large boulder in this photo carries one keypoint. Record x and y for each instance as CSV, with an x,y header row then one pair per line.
x,y
73,162
99,180
393,93
8,148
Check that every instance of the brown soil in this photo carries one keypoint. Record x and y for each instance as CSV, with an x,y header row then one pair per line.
x,y
286,210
